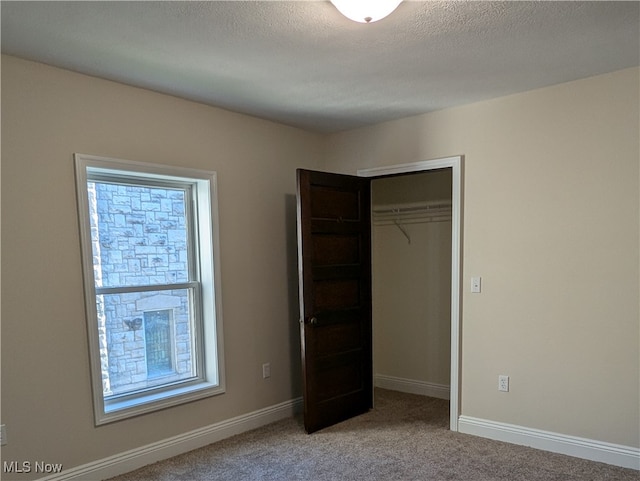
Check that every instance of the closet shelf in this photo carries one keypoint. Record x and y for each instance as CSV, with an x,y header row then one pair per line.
x,y
411,213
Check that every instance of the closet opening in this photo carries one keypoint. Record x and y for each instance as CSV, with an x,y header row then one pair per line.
x,y
411,266
416,232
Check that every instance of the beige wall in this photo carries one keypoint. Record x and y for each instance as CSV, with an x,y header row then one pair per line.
x,y
412,283
430,186
47,115
551,220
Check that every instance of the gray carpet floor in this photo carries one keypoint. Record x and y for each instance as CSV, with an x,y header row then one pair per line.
x,y
405,437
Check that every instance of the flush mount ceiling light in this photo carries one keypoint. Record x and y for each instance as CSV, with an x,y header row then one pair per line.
x,y
366,11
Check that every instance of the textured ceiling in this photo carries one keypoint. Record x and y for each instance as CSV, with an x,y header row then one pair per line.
x,y
303,64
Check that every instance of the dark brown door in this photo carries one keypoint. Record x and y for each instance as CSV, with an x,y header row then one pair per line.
x,y
334,258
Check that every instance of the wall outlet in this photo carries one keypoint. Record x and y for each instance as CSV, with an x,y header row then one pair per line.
x,y
476,285
503,383
266,370
3,435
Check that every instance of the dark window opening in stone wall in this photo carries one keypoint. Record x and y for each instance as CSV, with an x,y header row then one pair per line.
x,y
157,331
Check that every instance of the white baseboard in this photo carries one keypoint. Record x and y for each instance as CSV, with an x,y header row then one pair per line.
x,y
615,454
618,455
182,443
440,391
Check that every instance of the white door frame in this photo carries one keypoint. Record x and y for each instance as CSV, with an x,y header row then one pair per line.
x,y
455,164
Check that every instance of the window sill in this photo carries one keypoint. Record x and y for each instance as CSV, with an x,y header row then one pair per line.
x,y
116,410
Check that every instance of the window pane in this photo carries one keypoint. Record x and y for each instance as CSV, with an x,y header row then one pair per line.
x,y
138,234
145,339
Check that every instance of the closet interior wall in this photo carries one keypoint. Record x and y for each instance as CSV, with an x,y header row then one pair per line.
x,y
412,282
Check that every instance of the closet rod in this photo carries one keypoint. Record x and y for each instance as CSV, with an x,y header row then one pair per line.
x,y
410,207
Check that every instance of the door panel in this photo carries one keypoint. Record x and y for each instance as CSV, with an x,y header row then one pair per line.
x,y
330,203
336,294
339,337
334,255
336,249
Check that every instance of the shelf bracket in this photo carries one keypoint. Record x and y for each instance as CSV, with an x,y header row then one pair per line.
x,y
403,230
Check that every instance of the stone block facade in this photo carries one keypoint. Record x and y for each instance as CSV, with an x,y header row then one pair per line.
x,y
139,239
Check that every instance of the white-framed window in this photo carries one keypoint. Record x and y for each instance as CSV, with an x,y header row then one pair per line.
x,y
150,256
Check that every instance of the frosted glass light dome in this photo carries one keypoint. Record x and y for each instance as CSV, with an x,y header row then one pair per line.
x,y
366,11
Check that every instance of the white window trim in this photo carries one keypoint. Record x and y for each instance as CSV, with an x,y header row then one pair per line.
x,y
211,337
